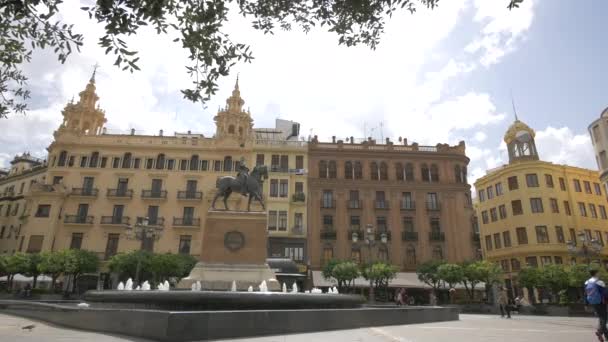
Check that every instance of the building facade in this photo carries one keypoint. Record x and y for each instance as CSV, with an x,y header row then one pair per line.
x,y
529,209
96,183
598,130
415,197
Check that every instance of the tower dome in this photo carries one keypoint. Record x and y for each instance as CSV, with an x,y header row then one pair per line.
x,y
520,142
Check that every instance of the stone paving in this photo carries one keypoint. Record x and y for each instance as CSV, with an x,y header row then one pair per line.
x,y
471,328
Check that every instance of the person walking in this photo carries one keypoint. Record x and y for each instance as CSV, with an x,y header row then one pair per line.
x,y
503,302
595,295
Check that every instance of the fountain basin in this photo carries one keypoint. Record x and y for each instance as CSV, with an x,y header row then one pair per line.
x,y
221,300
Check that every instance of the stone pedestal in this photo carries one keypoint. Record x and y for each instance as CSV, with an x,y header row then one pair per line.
x,y
234,248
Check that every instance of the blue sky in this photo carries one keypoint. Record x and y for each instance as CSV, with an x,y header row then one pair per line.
x,y
438,76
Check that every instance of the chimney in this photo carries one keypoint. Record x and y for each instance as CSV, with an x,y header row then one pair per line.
x,y
132,131
160,133
188,132
388,141
352,140
333,139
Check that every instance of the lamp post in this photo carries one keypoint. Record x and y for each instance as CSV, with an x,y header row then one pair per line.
x,y
369,237
589,247
142,231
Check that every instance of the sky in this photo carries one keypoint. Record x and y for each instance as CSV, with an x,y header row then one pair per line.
x,y
438,76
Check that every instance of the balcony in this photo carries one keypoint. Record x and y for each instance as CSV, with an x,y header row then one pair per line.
x,y
328,204
124,220
297,230
381,204
154,194
298,197
120,193
433,206
408,205
277,168
328,234
78,219
84,192
186,222
354,204
437,236
159,221
190,195
409,236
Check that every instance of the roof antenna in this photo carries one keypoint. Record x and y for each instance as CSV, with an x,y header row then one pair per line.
x,y
513,104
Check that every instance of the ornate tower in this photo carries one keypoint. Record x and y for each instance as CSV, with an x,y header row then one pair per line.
x,y
520,142
232,121
83,118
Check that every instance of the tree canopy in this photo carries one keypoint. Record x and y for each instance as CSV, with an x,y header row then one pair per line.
x,y
428,273
344,272
196,26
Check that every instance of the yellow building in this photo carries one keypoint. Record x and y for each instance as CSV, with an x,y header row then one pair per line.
x,y
96,183
529,209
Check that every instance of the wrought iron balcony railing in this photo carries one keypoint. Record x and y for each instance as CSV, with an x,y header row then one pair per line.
x,y
78,219
120,193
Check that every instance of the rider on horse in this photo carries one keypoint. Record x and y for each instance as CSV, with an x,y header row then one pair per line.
x,y
242,175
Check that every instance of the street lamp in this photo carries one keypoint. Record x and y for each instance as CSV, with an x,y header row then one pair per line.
x,y
589,247
369,237
142,231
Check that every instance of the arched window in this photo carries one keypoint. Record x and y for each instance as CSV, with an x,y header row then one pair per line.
x,y
348,170
160,161
383,171
94,159
126,161
457,173
194,162
426,173
437,253
410,255
322,169
358,170
231,129
409,172
399,171
332,169
373,170
434,173
63,156
228,163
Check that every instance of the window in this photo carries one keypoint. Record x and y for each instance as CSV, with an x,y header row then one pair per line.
x,y
573,236
381,224
283,188
497,243
57,180
259,159
490,191
227,163
44,210
504,265
498,189
299,162
126,161
592,210
409,172
554,206
598,189
516,207
274,188
532,261
111,245
355,255
62,158
407,200
549,180
493,215
299,188
149,163
76,242
542,236
153,214
435,226
272,220
559,233
410,255
188,216
383,171
117,213
506,238
194,162
488,242
425,172
71,161
408,224
284,164
116,162
502,211
328,222
558,260
170,164
82,212
374,172
328,199
598,237
183,165
484,217
603,212
432,201
513,184
298,221
204,165
35,244
532,180
382,253
157,185
482,195
348,170
577,185
587,187
332,169
136,163
434,173
328,253
83,161
160,161
522,236
582,209
545,260
567,208
515,265
217,165
358,170
536,204
282,220
562,184
437,253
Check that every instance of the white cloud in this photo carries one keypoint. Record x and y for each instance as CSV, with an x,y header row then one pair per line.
x,y
563,146
480,137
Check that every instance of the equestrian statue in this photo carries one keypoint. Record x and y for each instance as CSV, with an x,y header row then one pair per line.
x,y
245,183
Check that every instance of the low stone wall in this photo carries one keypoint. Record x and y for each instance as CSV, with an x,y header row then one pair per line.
x,y
205,325
576,310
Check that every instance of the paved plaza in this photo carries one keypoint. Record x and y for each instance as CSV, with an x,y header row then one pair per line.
x,y
471,328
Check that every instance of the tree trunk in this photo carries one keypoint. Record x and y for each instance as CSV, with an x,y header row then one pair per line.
x,y
53,281
35,281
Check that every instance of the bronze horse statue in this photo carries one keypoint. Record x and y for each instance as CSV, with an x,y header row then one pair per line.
x,y
253,186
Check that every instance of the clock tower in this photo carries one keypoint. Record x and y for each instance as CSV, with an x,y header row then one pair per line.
x,y
520,142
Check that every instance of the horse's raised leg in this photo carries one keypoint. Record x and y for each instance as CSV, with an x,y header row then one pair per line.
x,y
226,195
217,194
259,198
249,203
